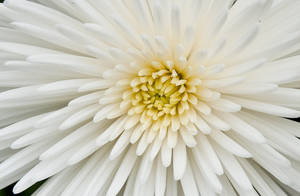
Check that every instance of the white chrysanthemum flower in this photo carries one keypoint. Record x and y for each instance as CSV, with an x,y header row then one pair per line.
x,y
150,97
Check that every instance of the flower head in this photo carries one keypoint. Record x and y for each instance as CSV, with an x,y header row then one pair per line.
x,y
154,97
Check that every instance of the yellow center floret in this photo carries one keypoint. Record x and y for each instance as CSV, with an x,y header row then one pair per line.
x,y
161,90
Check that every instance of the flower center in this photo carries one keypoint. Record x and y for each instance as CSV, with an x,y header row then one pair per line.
x,y
159,90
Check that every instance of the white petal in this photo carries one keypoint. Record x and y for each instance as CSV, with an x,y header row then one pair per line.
x,y
202,125
171,184
188,182
166,154
229,144
123,172
145,168
234,169
225,105
121,144
179,160
160,178
79,117
209,176
70,140
266,107
210,154
258,182
243,128
216,122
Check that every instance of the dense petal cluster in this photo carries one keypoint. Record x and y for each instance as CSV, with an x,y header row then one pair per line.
x,y
150,97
